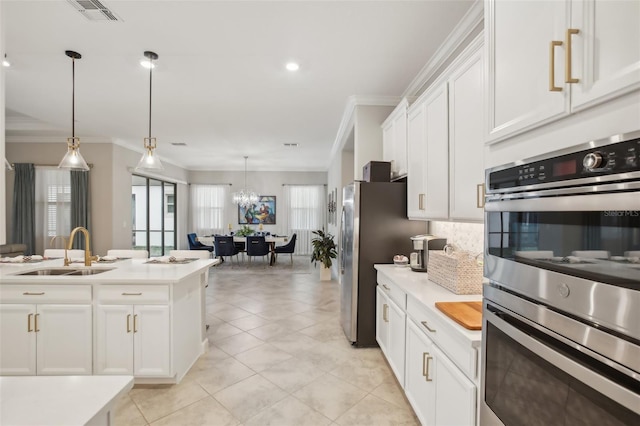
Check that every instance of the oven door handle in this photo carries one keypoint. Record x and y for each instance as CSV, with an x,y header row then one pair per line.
x,y
497,316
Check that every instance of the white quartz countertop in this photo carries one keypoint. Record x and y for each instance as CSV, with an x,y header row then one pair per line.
x,y
135,271
58,400
418,286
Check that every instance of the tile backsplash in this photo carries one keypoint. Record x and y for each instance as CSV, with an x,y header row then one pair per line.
x,y
464,236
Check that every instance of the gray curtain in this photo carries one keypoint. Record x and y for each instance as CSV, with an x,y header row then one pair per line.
x,y
24,206
79,204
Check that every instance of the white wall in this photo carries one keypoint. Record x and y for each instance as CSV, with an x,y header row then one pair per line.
x,y
368,135
262,183
3,217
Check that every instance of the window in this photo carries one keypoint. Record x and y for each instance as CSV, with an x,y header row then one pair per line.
x,y
305,205
53,205
153,215
170,203
207,208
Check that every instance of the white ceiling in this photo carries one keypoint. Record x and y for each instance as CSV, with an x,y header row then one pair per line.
x,y
220,84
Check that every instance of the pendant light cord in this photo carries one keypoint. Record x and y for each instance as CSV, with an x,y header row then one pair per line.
x,y
150,79
73,98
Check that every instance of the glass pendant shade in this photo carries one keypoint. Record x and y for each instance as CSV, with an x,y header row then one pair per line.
x,y
73,160
150,160
245,197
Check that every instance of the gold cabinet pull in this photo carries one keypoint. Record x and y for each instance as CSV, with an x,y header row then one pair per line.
x,y
36,323
567,57
385,312
552,67
132,294
135,323
424,323
424,364
28,293
420,201
129,323
29,329
480,196
428,379
385,287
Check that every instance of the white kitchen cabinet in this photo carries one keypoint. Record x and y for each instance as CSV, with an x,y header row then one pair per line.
x,y
428,153
390,332
133,340
46,330
466,144
394,139
549,59
438,391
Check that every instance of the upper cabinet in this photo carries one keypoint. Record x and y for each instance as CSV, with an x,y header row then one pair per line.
x,y
445,143
394,139
549,59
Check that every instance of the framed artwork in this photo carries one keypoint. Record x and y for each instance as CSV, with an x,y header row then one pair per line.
x,y
264,211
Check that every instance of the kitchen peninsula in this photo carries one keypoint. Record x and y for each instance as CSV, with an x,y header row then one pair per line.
x,y
130,317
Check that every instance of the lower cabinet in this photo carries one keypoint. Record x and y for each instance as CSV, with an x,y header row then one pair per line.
x,y
133,340
390,332
438,391
45,339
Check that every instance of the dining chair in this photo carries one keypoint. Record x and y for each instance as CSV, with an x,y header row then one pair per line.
x,y
133,254
257,246
287,248
59,254
224,246
194,244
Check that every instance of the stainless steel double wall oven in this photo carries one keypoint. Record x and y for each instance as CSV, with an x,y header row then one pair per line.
x,y
561,315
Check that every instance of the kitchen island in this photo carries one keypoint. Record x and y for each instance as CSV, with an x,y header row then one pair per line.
x,y
129,317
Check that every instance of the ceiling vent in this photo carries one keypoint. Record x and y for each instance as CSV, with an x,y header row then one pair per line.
x,y
291,145
93,10
178,144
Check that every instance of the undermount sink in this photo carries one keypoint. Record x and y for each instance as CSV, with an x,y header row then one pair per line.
x,y
65,271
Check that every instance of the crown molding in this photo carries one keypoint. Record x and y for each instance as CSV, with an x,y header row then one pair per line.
x,y
469,22
53,139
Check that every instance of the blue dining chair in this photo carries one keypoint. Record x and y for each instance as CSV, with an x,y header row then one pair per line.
x,y
194,244
257,246
287,248
224,246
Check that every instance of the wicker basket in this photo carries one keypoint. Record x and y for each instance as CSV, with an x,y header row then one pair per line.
x,y
458,271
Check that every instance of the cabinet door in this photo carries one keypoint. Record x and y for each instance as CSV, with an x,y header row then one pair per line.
x,y
418,384
605,52
416,150
114,339
455,393
396,343
400,143
466,145
64,340
437,154
18,347
518,42
152,340
382,324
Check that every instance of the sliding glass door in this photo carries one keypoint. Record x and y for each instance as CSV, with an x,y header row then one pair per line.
x,y
153,204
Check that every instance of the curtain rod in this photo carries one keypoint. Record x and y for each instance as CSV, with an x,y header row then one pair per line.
x,y
13,165
191,183
304,184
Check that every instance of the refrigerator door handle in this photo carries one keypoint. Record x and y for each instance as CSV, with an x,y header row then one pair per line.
x,y
342,234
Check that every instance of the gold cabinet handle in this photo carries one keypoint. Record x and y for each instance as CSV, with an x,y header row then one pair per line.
x,y
567,57
36,323
29,329
427,378
552,67
424,364
424,323
129,323
28,293
385,287
420,201
385,312
135,323
132,294
480,196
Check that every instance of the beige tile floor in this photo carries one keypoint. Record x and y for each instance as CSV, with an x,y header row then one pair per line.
x,y
277,356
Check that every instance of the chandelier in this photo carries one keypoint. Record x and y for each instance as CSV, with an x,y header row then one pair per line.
x,y
245,197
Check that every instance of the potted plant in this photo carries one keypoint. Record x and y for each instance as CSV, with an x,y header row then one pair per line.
x,y
324,249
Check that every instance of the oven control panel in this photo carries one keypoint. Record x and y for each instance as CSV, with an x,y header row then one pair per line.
x,y
613,159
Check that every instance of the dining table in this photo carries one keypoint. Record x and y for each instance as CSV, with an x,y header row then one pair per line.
x,y
272,240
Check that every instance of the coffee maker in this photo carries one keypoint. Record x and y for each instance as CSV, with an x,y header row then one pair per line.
x,y
422,244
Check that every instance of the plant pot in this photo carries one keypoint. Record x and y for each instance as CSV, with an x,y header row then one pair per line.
x,y
325,273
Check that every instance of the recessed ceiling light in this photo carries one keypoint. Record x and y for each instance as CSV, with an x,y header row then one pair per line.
x,y
292,66
145,62
5,62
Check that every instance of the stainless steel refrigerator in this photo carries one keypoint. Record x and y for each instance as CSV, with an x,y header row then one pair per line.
x,y
373,229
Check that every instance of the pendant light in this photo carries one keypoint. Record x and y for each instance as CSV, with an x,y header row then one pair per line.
x,y
150,160
245,197
73,159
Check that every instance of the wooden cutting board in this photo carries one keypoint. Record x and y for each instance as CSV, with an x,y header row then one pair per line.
x,y
467,314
